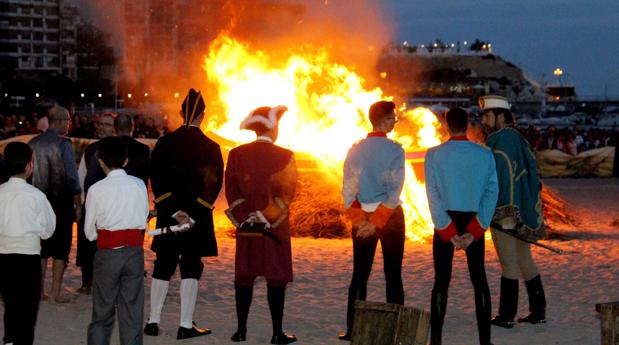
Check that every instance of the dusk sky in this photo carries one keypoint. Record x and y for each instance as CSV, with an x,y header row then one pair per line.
x,y
580,36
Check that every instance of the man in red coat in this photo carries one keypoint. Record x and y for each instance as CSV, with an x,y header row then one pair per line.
x,y
260,184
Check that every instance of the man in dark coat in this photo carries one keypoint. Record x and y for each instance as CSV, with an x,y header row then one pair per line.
x,y
260,184
138,153
55,174
186,177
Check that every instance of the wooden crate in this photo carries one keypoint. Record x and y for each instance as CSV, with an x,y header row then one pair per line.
x,y
389,324
609,322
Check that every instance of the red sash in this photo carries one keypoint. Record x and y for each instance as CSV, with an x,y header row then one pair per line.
x,y
110,239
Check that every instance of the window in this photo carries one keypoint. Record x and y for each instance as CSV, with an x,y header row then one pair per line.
x,y
52,23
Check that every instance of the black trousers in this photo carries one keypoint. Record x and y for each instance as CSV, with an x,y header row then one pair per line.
x,y
20,287
391,238
59,245
190,265
85,254
443,254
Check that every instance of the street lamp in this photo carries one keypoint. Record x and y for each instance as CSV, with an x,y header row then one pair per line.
x,y
36,95
82,95
558,72
129,95
100,95
176,95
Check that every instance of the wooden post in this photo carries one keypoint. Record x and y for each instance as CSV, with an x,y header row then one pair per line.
x,y
389,324
609,322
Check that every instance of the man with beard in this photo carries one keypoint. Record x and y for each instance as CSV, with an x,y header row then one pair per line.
x,y
518,210
90,173
187,175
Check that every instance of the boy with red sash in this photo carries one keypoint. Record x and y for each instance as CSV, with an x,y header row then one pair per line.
x,y
116,213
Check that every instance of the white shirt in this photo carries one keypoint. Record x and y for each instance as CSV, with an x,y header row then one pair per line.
x,y
81,173
26,217
118,202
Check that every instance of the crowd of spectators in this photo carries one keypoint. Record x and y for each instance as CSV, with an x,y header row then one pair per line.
x,y
82,126
571,140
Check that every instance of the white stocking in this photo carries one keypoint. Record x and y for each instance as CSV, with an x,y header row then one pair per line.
x,y
158,293
189,294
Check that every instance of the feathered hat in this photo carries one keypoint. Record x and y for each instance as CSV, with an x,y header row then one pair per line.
x,y
192,106
263,118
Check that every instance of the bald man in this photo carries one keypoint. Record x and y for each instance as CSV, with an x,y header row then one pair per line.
x,y
55,174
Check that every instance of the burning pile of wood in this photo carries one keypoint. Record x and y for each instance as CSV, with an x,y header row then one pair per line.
x,y
317,210
555,212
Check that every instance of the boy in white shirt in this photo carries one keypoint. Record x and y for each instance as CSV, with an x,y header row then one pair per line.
x,y
26,217
116,214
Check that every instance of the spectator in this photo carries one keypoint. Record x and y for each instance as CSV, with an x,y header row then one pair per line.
x,y
55,174
569,145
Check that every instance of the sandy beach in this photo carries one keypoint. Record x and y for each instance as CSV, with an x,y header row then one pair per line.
x,y
316,301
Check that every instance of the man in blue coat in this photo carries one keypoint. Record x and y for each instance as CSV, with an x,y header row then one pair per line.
x,y
462,188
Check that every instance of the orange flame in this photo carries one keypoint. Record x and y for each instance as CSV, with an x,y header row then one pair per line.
x,y
327,105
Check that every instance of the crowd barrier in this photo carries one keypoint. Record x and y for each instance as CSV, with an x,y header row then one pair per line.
x,y
597,162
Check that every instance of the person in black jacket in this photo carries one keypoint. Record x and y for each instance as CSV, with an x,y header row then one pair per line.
x,y
186,177
138,153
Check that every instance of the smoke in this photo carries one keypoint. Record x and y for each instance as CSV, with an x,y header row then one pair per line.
x,y
353,31
161,44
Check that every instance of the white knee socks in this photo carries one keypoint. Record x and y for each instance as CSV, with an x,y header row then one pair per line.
x,y
158,293
189,294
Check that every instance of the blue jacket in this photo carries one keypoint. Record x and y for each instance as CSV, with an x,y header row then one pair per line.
x,y
374,173
460,176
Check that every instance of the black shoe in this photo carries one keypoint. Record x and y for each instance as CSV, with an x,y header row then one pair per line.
x,y
283,338
533,318
345,336
151,329
502,322
238,337
186,333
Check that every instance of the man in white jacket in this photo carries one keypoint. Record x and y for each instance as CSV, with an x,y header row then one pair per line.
x,y
26,217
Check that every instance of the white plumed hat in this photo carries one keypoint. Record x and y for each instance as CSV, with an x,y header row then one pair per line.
x,y
265,117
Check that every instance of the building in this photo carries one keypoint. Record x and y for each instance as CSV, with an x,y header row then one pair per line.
x,y
38,36
160,36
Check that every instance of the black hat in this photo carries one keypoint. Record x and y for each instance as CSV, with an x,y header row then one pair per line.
x,y
193,106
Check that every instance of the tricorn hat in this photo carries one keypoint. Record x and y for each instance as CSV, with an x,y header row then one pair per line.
x,y
193,106
263,118
493,102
